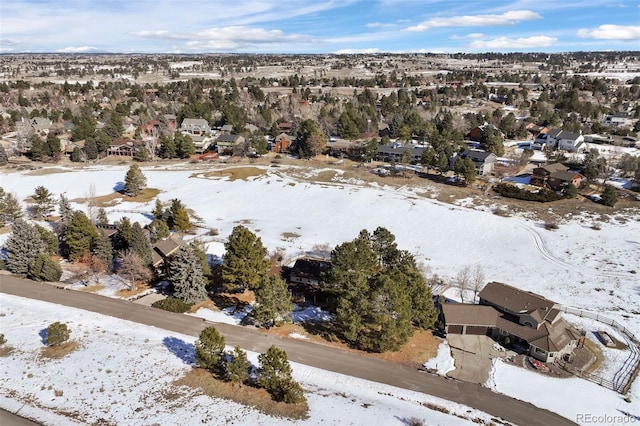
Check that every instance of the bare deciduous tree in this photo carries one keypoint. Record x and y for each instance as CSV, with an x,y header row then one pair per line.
x,y
133,268
91,203
477,280
463,281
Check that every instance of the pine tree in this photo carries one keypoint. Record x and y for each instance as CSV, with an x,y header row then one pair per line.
x,y
10,209
609,196
168,148
210,350
52,146
43,268
245,260
123,237
76,155
275,375
186,275
103,250
57,333
185,147
79,235
102,216
140,244
158,230
91,148
37,148
44,202
158,211
134,181
238,367
49,238
23,246
181,220
64,208
273,301
3,157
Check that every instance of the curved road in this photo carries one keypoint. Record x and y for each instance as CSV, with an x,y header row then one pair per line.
x,y
315,355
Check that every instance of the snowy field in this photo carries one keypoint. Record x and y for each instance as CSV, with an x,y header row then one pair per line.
x,y
122,374
574,265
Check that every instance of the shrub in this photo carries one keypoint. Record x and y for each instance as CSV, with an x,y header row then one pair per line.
x,y
3,340
172,304
210,350
512,191
57,333
550,226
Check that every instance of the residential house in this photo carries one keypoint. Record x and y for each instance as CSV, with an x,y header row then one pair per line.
x,y
40,125
308,270
483,160
555,176
619,120
396,151
227,129
195,126
226,143
506,311
565,140
282,143
202,143
285,127
479,133
124,147
162,251
534,130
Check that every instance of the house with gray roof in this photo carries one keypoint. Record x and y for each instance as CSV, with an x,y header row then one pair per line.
x,y
506,311
227,142
565,140
483,160
195,126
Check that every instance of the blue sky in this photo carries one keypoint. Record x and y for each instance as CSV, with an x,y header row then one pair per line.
x,y
317,26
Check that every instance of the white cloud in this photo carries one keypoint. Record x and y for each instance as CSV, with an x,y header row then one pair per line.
x,y
473,36
612,32
77,49
507,18
514,43
380,25
357,51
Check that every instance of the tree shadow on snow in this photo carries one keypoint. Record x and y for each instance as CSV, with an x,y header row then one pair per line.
x,y
186,352
43,336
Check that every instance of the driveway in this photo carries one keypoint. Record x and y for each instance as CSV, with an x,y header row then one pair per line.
x,y
473,357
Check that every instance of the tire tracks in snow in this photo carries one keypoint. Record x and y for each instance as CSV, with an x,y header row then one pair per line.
x,y
545,252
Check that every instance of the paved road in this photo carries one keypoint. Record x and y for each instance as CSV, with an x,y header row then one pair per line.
x,y
324,357
10,419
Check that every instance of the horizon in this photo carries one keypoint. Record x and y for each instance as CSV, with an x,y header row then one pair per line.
x,y
337,27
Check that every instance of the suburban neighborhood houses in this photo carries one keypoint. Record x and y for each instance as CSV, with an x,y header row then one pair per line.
x,y
442,219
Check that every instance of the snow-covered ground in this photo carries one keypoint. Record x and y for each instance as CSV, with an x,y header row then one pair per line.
x,y
443,361
122,373
574,265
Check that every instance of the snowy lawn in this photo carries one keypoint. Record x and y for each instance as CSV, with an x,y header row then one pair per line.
x,y
122,373
443,361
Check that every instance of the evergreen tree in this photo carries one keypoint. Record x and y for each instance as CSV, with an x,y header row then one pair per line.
x,y
44,202
103,251
3,157
123,237
49,238
158,210
379,292
64,208
245,260
570,191
10,209
23,246
134,181
185,147
492,142
43,268
275,375
37,148
273,301
210,350
57,333
609,196
76,155
140,244
237,366
79,235
158,230
168,147
52,146
186,275
181,220
91,149
102,216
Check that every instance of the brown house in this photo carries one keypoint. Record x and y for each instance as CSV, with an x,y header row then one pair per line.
x,y
525,317
555,177
282,143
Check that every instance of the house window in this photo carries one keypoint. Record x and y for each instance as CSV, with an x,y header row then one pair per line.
x,y
540,351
